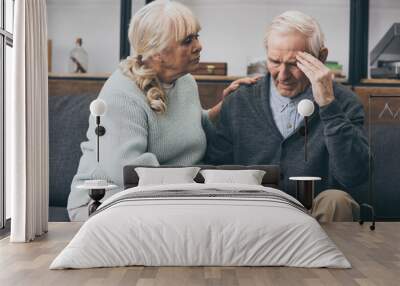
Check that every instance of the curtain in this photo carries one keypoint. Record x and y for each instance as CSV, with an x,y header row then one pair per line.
x,y
27,123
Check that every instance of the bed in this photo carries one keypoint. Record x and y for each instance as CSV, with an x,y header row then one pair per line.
x,y
201,224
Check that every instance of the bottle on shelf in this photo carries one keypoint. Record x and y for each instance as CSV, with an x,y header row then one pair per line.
x,y
78,58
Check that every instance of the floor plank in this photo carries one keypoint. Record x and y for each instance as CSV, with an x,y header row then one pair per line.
x,y
374,255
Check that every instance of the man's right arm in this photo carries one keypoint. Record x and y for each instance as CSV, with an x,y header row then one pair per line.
x,y
219,144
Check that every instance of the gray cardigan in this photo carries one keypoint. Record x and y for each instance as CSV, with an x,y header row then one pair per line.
x,y
338,148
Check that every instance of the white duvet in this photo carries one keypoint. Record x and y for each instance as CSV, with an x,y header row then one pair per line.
x,y
183,231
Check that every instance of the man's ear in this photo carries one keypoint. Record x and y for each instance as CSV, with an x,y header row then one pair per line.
x,y
323,54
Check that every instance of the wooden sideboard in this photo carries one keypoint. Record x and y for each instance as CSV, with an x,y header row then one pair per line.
x,y
72,86
381,103
381,100
210,87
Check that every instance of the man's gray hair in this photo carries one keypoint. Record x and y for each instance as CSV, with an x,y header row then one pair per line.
x,y
295,21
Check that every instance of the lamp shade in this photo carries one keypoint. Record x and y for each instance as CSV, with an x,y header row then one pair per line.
x,y
305,107
98,107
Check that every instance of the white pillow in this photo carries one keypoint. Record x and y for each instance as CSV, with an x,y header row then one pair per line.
x,y
165,176
248,177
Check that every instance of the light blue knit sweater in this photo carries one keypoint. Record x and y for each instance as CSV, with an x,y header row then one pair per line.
x,y
135,134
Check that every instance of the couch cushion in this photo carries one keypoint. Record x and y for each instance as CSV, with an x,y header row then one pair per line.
x,y
57,214
68,123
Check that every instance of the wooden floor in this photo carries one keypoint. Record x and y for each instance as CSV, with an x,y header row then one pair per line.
x,y
375,256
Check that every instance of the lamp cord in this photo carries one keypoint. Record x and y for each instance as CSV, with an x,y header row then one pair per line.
x,y
98,141
305,137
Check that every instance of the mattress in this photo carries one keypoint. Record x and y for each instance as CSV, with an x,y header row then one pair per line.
x,y
201,225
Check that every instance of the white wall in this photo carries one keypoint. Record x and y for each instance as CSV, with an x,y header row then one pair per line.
x,y
97,22
233,30
137,4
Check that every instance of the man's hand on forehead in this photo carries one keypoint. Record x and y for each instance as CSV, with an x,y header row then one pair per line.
x,y
319,75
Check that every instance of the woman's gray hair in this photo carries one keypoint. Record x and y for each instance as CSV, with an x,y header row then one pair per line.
x,y
295,21
152,29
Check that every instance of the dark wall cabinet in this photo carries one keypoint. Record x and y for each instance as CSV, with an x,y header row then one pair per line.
x,y
382,106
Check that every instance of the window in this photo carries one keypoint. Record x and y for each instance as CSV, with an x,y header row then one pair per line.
x,y
245,37
92,20
383,14
6,44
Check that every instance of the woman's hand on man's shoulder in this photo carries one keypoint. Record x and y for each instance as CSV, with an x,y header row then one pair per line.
x,y
241,81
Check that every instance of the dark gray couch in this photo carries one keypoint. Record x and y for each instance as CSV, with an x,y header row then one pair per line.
x,y
68,123
69,102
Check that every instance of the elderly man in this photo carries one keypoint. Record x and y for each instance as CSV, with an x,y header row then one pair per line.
x,y
259,124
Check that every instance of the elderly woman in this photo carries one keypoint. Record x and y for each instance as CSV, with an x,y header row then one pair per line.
x,y
153,114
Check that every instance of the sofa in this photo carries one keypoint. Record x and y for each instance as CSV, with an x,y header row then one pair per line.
x,y
69,102
68,124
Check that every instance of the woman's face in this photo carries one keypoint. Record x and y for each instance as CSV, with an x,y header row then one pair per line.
x,y
180,58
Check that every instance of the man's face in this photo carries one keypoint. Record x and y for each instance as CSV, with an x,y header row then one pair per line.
x,y
282,65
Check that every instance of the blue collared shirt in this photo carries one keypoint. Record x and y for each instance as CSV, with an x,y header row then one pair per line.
x,y
284,110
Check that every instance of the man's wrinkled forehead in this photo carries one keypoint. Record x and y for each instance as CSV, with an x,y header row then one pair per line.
x,y
282,55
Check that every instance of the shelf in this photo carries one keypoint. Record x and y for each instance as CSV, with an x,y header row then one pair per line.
x,y
380,81
199,78
106,75
216,77
208,78
97,76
